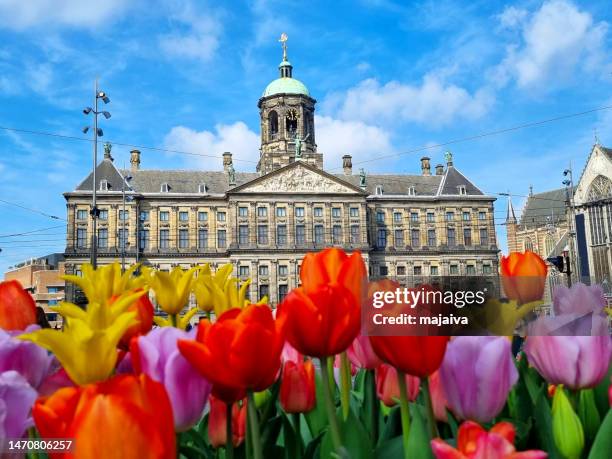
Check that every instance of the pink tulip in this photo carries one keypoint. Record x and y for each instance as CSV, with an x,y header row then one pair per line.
x,y
477,374
361,354
580,298
387,385
438,399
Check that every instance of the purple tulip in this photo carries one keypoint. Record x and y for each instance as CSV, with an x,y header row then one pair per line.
x,y
576,361
477,374
16,400
579,299
26,358
157,355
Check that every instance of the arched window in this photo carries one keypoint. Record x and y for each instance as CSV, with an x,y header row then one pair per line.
x,y
273,125
600,188
549,244
528,245
291,123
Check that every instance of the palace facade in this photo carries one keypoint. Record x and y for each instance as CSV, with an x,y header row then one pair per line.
x,y
409,227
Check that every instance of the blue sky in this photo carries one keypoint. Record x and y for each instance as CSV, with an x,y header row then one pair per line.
x,y
388,76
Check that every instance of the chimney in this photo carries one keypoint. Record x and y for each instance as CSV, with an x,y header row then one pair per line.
x,y
439,169
347,164
135,159
425,166
227,161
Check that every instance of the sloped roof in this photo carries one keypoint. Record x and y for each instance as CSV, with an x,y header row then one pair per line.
x,y
453,179
396,183
543,208
106,170
183,181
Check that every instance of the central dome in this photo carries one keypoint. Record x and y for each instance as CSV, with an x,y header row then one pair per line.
x,y
286,85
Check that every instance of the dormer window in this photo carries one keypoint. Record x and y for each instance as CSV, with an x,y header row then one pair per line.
x,y
164,187
379,189
103,185
202,188
411,191
462,189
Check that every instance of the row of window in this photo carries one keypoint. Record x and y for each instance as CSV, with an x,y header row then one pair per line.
x,y
263,270
415,237
429,216
470,270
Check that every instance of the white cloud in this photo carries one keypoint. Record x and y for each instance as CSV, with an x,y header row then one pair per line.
x,y
432,102
20,15
557,41
236,138
512,16
336,138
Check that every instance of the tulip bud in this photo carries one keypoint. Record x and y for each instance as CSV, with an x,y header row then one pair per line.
x,y
387,385
297,391
261,398
567,429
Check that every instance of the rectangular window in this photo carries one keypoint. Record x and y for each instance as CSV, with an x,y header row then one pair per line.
x,y
470,270
354,212
318,211
243,211
183,216
300,234
281,235
243,271
53,289
81,214
417,271
264,290
430,217
454,270
450,237
319,238
221,239
143,239
354,234
203,238
466,216
103,238
103,214
262,211
450,216
123,238
486,269
484,236
164,216
144,215
283,289
124,215
433,271
263,270
399,238
283,270
243,234
401,270
467,236
397,217
221,216
381,240
164,238
380,217
482,215
262,234
183,238
202,216
431,238
336,212
415,238
383,270
336,234
299,212
281,211
414,216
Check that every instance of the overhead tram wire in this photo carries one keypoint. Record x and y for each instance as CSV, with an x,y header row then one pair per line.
x,y
41,230
29,209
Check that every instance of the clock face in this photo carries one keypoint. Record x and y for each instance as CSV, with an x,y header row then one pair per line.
x,y
292,115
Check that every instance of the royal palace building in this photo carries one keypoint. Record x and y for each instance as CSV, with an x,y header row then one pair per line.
x,y
408,227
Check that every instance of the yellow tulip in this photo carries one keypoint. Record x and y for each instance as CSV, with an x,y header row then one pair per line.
x,y
177,321
500,318
171,289
87,347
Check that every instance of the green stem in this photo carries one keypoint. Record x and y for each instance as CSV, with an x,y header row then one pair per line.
x,y
345,385
329,405
229,439
433,426
405,413
374,407
254,426
298,433
173,321
330,375
208,316
33,436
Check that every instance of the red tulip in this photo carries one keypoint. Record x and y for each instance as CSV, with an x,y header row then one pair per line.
x,y
297,390
240,351
414,355
217,422
127,416
322,317
523,276
438,398
17,307
144,313
387,385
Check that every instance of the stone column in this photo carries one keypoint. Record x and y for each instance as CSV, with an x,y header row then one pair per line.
x,y
291,225
113,226
272,228
153,228
174,225
193,228
70,226
212,228
273,285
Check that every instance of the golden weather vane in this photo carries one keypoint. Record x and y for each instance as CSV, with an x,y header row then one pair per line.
x,y
283,40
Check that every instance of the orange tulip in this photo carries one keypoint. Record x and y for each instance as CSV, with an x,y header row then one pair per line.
x,y
217,419
127,416
297,390
387,385
240,351
323,315
523,276
17,307
144,314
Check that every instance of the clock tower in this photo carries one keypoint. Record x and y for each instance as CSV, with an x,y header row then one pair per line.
x,y
287,128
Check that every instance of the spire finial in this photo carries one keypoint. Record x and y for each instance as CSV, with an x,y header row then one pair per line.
x,y
283,40
596,136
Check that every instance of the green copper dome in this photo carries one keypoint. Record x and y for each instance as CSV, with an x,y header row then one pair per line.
x,y
286,85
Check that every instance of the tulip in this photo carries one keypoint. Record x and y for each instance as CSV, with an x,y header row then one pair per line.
x,y
240,351
87,347
438,398
477,374
387,385
578,299
610,394
157,355
297,390
322,316
415,355
577,362
568,434
127,416
217,422
16,400
523,276
144,315
17,307
475,442
361,354
171,289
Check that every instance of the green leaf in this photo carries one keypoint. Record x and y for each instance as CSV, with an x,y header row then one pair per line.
x,y
603,441
270,432
588,413
390,449
355,439
393,426
601,393
317,418
543,424
418,440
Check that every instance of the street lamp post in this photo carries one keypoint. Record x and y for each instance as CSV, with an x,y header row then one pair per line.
x,y
97,132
